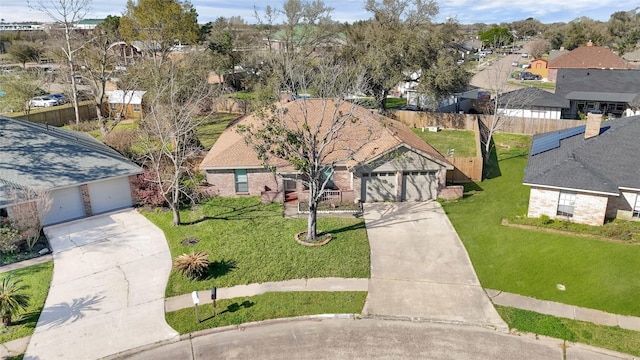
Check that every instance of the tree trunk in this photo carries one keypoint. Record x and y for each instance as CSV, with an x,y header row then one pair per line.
x,y
312,220
176,214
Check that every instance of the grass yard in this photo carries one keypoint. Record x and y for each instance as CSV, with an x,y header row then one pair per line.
x,y
251,242
462,141
209,132
607,337
273,305
544,85
597,274
38,279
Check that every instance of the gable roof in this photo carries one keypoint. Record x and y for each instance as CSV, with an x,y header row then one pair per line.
x,y
40,156
601,164
588,57
598,84
133,97
231,150
532,96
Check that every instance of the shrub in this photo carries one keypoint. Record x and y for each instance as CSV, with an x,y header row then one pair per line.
x,y
123,141
10,237
545,220
193,265
147,191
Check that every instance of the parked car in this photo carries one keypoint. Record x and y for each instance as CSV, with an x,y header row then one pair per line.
x,y
515,64
525,55
43,101
529,76
62,99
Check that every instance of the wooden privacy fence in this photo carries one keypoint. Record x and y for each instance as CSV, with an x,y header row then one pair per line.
x,y
467,169
513,125
59,116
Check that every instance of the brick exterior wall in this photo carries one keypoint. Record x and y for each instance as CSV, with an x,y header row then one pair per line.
x,y
589,208
86,200
223,182
133,181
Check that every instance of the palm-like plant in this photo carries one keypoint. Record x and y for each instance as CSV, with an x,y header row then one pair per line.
x,y
11,300
192,265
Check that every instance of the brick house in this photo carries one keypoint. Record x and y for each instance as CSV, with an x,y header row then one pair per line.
x,y
588,173
82,175
586,57
392,165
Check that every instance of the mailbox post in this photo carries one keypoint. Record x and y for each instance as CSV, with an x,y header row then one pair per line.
x,y
214,296
196,300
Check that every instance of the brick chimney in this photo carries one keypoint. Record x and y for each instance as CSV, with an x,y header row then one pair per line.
x,y
593,125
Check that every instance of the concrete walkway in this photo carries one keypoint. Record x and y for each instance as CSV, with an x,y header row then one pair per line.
x,y
319,284
563,310
420,269
107,291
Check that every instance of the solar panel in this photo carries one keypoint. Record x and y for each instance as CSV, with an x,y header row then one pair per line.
x,y
552,140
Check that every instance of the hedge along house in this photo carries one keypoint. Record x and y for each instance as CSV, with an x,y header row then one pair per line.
x,y
126,104
392,164
588,173
83,176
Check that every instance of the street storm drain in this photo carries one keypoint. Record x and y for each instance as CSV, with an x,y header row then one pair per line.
x,y
190,241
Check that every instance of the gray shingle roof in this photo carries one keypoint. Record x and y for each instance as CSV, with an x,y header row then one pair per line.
x,y
597,81
603,163
35,155
532,96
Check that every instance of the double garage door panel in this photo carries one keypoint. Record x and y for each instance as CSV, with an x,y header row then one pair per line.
x,y
66,205
419,186
379,187
110,195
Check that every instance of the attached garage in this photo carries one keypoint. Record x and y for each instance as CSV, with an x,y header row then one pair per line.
x,y
109,195
380,186
66,205
419,186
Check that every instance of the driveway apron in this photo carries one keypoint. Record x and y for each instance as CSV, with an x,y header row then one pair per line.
x,y
420,269
107,292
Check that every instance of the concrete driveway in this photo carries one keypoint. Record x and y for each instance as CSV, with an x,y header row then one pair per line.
x,y
420,269
107,292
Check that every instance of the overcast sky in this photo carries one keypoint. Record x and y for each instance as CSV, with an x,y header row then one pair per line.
x,y
465,11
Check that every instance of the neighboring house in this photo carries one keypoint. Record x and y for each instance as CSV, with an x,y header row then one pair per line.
x,y
586,57
633,58
394,164
554,54
532,102
84,176
126,104
235,79
539,67
611,91
586,174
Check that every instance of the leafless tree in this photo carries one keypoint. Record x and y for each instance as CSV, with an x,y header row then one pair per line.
x,y
312,135
178,103
538,48
29,207
67,14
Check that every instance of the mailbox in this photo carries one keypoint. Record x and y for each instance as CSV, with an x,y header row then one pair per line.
x,y
213,293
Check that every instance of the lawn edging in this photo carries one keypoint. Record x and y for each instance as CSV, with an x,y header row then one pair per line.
x,y
505,222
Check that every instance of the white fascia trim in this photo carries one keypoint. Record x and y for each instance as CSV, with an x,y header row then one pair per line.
x,y
628,188
570,189
232,167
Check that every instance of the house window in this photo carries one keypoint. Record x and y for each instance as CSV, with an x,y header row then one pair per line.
x,y
328,173
136,107
242,181
566,203
636,208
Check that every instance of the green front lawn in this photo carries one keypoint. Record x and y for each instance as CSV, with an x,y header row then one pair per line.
x,y
597,274
273,305
251,242
38,279
607,337
463,142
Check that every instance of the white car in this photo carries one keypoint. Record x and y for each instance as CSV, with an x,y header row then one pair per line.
x,y
43,101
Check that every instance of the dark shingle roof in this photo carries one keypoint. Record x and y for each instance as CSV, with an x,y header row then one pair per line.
x,y
603,163
532,96
41,156
598,81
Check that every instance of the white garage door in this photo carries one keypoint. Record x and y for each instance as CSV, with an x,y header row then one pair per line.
x,y
419,186
379,187
66,205
110,195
